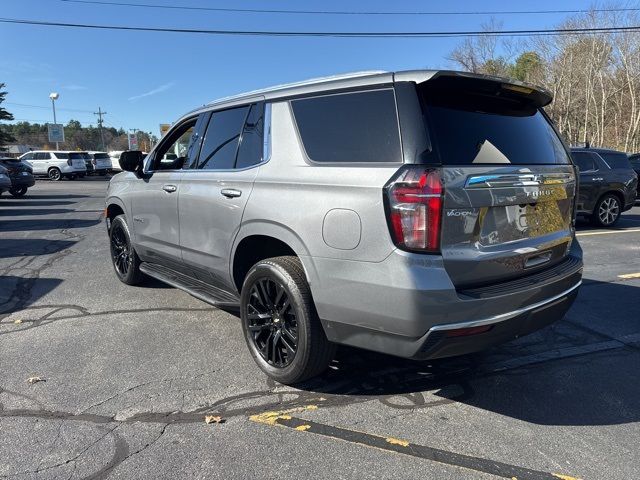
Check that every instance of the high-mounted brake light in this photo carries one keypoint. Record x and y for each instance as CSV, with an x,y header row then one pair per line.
x,y
415,200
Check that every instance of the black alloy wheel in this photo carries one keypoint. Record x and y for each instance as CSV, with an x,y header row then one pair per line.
x,y
607,211
272,322
280,322
125,260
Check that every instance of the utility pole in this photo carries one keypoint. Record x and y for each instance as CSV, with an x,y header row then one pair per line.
x,y
100,113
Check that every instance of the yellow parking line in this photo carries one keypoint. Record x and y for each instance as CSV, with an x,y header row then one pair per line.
x,y
607,232
629,276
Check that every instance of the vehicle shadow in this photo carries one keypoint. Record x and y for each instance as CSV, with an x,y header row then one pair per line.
x,y
590,381
28,202
50,224
29,212
55,196
19,247
16,293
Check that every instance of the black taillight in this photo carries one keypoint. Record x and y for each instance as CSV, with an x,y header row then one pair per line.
x,y
414,199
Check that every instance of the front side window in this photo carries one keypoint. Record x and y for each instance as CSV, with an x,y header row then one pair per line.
x,y
220,144
174,152
28,156
359,127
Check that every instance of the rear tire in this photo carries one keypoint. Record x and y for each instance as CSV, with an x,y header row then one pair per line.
x,y
18,192
124,258
607,211
280,322
55,174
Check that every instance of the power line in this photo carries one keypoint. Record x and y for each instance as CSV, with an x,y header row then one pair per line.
x,y
47,108
342,12
263,33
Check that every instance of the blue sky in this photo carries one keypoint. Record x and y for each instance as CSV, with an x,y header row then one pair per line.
x,y
143,79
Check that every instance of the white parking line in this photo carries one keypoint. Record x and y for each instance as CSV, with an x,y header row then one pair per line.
x,y
607,232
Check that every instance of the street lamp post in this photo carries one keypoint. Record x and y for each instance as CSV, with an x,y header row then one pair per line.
x,y
54,96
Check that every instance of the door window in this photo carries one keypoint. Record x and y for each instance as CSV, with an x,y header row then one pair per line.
x,y
177,150
220,145
28,156
616,160
251,148
43,156
584,161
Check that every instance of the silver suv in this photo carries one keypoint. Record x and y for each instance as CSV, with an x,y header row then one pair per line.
x,y
422,214
56,164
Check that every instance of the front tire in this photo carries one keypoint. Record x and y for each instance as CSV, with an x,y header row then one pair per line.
x,y
125,260
280,322
18,192
607,211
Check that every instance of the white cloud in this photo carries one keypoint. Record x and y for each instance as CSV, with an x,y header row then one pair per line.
x,y
161,88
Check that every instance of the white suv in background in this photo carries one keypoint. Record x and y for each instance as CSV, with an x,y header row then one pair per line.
x,y
100,163
57,164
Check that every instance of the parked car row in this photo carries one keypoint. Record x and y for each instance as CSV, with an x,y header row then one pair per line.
x,y
59,164
15,177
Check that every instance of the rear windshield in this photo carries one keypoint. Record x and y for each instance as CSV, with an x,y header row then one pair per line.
x,y
100,155
80,155
470,128
616,160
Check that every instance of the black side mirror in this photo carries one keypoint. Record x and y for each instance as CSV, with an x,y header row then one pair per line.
x,y
131,161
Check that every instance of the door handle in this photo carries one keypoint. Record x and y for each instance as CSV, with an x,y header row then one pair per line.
x,y
169,188
231,192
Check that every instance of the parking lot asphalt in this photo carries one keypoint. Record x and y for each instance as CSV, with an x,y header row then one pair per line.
x,y
123,378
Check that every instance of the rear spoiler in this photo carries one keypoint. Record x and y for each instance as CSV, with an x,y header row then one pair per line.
x,y
538,96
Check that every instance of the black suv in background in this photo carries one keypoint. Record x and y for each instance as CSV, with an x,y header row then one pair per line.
x,y
607,184
21,175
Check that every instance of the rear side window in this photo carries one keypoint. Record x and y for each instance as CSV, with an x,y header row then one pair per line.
x,y
251,145
634,160
357,127
472,128
220,144
79,155
616,160
584,161
62,156
42,156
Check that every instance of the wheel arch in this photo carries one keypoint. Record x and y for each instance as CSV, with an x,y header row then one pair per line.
x,y
259,240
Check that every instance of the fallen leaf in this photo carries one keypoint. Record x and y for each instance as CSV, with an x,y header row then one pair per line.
x,y
17,322
213,419
35,379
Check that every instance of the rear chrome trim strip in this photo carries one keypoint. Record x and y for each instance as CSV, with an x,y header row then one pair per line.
x,y
518,180
503,316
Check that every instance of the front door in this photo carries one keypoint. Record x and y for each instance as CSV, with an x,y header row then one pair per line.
x,y
154,205
215,191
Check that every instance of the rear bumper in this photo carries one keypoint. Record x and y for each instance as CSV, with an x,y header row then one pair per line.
x,y
22,181
406,305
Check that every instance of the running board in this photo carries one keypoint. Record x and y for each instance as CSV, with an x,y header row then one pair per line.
x,y
199,289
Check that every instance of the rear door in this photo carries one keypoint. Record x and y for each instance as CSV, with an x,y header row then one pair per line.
x,y
591,180
215,191
509,184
